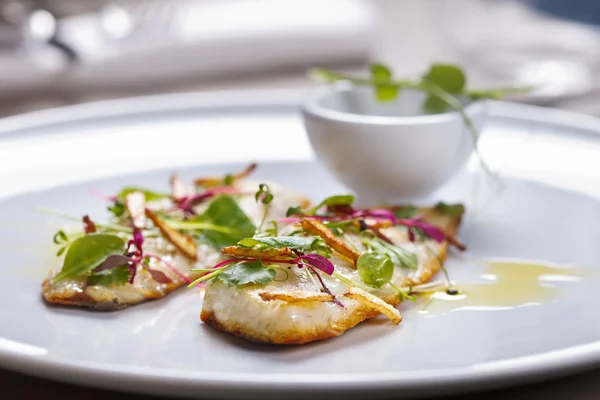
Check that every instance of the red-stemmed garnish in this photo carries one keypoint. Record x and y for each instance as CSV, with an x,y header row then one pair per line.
x,y
187,203
340,213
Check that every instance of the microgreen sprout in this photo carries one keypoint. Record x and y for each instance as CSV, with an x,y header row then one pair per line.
x,y
263,195
444,84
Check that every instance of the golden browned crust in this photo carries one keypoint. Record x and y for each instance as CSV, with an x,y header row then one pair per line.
x,y
216,181
185,244
374,303
273,254
289,337
363,311
296,297
449,225
105,303
319,229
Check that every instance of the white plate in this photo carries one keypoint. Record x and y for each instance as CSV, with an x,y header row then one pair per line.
x,y
549,211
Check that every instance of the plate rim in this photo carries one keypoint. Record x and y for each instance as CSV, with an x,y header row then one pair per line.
x,y
169,381
252,99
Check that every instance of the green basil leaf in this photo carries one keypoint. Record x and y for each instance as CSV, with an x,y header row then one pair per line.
x,y
447,77
247,273
451,210
225,212
148,194
114,276
375,269
87,252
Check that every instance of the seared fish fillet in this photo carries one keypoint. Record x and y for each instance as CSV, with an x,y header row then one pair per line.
x,y
77,292
294,311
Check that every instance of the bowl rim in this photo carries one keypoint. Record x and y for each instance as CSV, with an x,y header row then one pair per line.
x,y
310,105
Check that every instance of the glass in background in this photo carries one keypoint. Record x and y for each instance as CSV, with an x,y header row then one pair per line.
x,y
553,45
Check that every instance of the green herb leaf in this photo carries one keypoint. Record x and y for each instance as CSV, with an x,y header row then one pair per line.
x,y
87,252
148,194
263,194
375,269
198,223
337,200
406,211
114,276
380,72
247,273
322,74
451,210
448,77
385,89
228,180
272,230
293,211
434,105
117,209
60,237
386,92
225,212
399,256
304,244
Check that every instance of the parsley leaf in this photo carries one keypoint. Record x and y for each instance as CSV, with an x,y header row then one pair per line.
x,y
304,244
247,273
225,212
87,252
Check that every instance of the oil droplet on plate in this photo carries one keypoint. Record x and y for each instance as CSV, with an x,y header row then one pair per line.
x,y
505,285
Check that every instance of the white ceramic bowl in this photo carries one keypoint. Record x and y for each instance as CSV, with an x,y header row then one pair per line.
x,y
387,151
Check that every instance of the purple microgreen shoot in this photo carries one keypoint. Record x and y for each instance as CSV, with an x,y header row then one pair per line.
x,y
172,268
99,195
187,203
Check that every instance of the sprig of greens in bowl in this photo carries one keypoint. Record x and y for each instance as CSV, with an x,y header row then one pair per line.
x,y
445,85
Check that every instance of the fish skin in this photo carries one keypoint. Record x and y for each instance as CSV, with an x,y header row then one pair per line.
x,y
243,312
77,293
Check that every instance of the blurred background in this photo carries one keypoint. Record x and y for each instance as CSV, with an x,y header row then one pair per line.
x,y
59,52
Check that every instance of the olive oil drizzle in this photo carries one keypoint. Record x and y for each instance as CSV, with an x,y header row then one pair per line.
x,y
505,284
